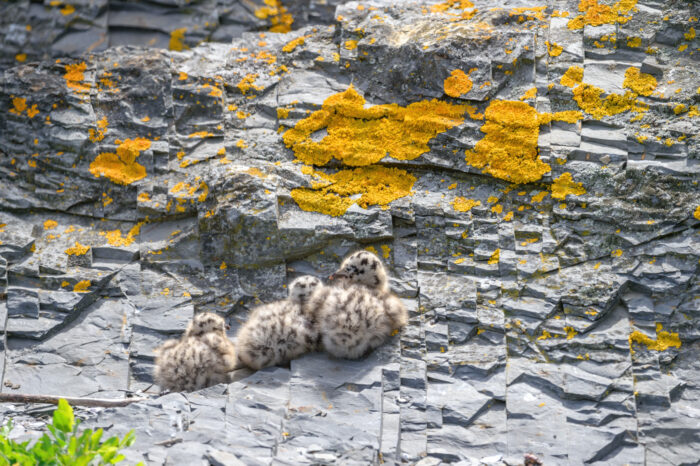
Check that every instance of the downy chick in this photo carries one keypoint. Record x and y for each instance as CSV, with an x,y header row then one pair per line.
x,y
204,356
278,332
358,312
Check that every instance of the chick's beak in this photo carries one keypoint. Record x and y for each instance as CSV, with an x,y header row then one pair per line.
x,y
337,274
228,327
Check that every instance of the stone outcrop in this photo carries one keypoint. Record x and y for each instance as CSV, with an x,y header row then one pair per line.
x,y
529,175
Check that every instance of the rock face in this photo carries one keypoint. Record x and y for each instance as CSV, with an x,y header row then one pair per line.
x,y
529,175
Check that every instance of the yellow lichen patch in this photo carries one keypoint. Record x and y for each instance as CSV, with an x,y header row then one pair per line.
x,y
82,286
77,250
292,44
588,99
200,134
462,204
50,224
554,49
696,214
122,168
67,10
99,134
568,116
545,335
448,4
223,266
248,82
241,144
283,112
32,112
680,108
572,77
634,42
177,40
21,57
570,332
495,257
182,76
377,186
616,253
386,251
509,149
280,19
690,35
664,339
19,105
255,172
529,94
458,83
115,237
595,14
75,75
360,136
350,44
565,185
641,83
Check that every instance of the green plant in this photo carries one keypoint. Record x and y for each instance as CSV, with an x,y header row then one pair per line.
x,y
65,446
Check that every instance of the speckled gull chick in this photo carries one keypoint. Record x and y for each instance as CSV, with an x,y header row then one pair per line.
x,y
278,332
358,312
204,356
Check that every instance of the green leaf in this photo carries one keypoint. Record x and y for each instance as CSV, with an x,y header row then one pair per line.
x,y
107,453
95,439
117,459
72,446
63,418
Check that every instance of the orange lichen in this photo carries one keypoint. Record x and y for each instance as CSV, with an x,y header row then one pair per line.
x,y
376,185
280,19
570,332
664,339
690,35
177,40
680,108
448,4
640,83
634,42
458,83
588,99
462,204
75,75
50,224
572,77
595,14
248,82
21,57
565,186
350,44
200,134
99,134
122,168
509,149
67,10
495,257
115,237
19,105
696,214
292,44
529,94
82,286
77,250
360,136
554,49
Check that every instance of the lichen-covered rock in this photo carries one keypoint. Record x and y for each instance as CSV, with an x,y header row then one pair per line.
x,y
528,174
